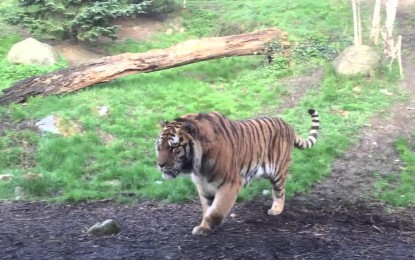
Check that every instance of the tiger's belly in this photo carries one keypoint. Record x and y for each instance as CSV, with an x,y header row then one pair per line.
x,y
251,174
208,188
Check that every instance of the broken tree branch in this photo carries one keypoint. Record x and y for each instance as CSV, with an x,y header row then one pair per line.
x,y
112,67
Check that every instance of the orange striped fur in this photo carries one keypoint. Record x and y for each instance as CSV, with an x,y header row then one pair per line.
x,y
223,155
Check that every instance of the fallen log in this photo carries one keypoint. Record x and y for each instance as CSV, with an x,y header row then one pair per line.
x,y
108,68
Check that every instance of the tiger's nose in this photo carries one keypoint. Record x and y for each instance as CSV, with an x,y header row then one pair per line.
x,y
161,165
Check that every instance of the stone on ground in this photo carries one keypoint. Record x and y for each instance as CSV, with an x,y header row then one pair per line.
x,y
105,228
31,51
6,177
361,59
57,125
32,176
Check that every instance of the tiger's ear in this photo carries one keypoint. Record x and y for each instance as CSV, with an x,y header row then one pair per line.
x,y
163,123
190,128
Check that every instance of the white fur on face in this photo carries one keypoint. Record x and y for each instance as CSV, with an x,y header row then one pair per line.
x,y
174,140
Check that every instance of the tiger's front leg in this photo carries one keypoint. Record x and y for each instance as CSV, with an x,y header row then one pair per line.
x,y
205,200
216,213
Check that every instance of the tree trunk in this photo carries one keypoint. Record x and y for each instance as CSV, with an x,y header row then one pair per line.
x,y
112,67
374,33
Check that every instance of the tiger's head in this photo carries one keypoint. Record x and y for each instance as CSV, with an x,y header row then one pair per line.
x,y
177,148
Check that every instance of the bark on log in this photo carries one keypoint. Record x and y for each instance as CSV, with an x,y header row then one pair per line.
x,y
111,67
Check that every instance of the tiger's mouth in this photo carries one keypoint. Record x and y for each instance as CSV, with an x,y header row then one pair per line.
x,y
170,174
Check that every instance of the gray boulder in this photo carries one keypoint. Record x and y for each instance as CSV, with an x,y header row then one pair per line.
x,y
105,228
354,60
31,51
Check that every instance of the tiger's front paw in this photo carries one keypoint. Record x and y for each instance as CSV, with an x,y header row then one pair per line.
x,y
274,212
201,231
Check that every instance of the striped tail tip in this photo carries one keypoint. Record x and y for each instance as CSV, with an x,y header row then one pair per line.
x,y
312,137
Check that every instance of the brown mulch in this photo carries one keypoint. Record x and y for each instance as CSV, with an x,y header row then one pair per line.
x,y
39,230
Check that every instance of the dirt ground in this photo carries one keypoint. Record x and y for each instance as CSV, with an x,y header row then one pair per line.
x,y
306,230
337,220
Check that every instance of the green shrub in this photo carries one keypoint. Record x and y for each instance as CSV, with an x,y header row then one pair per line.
x,y
76,19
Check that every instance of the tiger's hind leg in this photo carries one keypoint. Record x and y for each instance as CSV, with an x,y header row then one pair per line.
x,y
278,197
278,190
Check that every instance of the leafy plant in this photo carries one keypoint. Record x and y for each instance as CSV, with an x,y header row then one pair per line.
x,y
76,19
320,48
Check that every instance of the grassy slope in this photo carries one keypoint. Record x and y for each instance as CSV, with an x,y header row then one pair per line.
x,y
399,189
120,146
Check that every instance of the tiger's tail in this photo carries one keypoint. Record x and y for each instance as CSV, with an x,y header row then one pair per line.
x,y
312,137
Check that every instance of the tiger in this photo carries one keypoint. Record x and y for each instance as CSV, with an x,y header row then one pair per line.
x,y
223,155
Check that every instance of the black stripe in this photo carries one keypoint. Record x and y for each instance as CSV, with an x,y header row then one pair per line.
x,y
278,178
314,135
223,124
264,136
209,197
315,121
234,130
264,167
242,130
248,169
259,121
314,115
223,182
255,128
315,127
266,120
248,128
203,116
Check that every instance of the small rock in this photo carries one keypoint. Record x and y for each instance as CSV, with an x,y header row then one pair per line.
x,y
356,89
105,228
158,182
48,125
232,215
6,177
169,31
265,192
32,176
386,92
113,183
56,125
103,111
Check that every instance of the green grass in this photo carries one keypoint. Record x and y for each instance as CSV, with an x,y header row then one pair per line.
x,y
118,148
399,189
